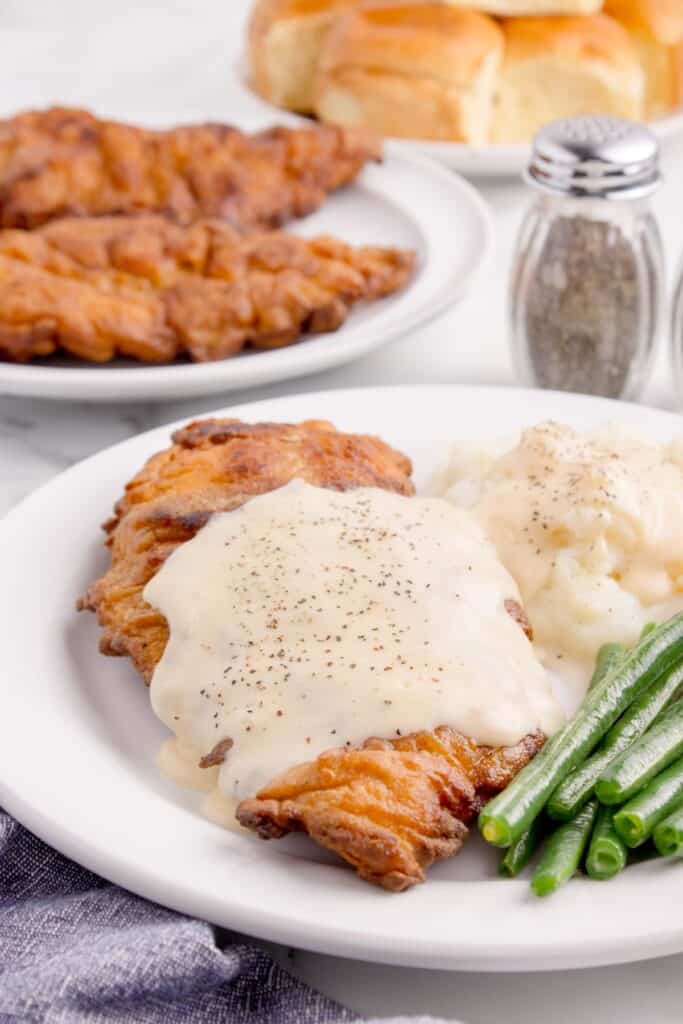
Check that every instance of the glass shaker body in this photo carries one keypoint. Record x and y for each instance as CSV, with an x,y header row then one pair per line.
x,y
586,290
677,333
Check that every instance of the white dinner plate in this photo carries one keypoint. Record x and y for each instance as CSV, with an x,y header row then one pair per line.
x,y
497,160
78,740
405,201
493,160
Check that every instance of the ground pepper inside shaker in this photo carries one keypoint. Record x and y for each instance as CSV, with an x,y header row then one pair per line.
x,y
583,308
587,277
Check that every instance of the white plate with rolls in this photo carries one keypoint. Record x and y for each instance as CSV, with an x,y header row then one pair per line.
x,y
468,88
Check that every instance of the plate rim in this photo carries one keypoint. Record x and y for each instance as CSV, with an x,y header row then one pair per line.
x,y
398,949
166,382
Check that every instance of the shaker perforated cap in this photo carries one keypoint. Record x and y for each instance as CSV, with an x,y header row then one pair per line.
x,y
602,157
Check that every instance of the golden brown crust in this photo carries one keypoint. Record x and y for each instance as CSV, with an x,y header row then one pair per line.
x,y
660,20
585,64
677,75
420,70
656,29
431,39
300,8
65,162
148,289
216,755
515,609
523,8
215,466
593,40
284,42
390,808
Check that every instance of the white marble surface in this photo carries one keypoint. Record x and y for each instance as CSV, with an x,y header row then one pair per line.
x,y
176,58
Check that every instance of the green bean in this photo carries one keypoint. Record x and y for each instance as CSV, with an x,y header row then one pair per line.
x,y
609,655
668,835
510,814
520,853
579,785
607,854
647,629
636,820
563,851
651,754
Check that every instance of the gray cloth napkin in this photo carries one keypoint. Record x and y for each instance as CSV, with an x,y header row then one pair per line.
x,y
74,948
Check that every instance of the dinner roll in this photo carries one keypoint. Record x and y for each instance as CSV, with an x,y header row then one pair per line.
x,y
423,71
656,29
284,42
515,8
560,67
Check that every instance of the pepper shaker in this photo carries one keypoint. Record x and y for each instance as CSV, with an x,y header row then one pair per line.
x,y
677,333
587,278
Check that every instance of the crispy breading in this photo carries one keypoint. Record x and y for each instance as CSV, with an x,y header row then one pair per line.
x,y
215,466
391,808
66,162
148,289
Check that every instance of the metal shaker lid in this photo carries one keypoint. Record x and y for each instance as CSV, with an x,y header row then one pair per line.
x,y
600,157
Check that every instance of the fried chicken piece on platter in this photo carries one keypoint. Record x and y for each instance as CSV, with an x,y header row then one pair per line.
x,y
214,466
393,807
147,289
67,162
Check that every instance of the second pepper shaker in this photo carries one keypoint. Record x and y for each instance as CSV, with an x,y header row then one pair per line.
x,y
676,341
587,280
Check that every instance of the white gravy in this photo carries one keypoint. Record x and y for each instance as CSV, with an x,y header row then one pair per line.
x,y
309,618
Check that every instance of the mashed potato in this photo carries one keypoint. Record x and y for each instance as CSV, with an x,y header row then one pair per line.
x,y
589,525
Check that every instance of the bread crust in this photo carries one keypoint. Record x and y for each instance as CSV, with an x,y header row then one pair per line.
x,y
656,29
284,40
519,8
586,65
411,70
660,20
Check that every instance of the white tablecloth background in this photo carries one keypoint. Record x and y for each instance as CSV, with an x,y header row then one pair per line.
x,y
156,59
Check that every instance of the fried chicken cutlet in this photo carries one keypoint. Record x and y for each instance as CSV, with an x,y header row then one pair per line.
x,y
390,808
148,289
66,162
215,466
